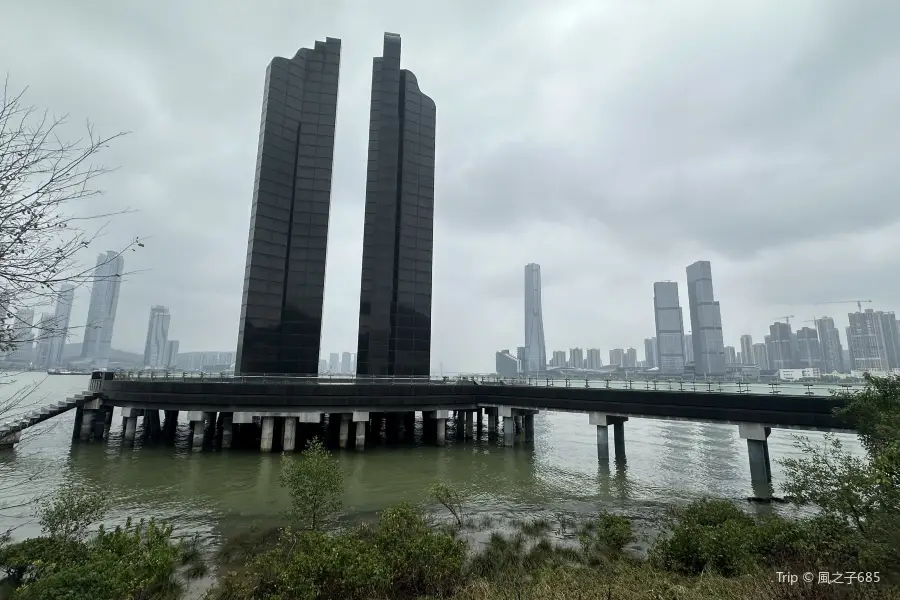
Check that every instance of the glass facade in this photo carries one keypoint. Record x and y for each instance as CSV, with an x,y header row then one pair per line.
x,y
669,328
284,279
395,293
706,321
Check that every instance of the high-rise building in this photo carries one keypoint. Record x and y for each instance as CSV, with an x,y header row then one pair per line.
x,y
868,341
747,349
706,321
521,357
170,359
781,346
507,364
669,328
284,279
730,355
398,232
62,314
323,366
576,358
558,360
891,338
43,341
617,357
157,337
760,357
346,363
334,363
688,349
630,360
809,349
101,319
650,351
534,321
594,358
22,337
830,342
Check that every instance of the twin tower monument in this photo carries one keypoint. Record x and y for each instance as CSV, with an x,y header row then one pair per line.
x,y
284,280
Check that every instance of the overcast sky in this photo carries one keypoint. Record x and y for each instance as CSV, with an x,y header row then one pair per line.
x,y
611,141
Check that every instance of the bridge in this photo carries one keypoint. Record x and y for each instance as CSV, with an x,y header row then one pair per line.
x,y
275,412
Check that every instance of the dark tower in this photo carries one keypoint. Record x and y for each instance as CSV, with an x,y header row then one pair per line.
x,y
284,281
395,296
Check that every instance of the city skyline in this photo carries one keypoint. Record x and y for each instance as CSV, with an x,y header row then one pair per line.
x,y
631,166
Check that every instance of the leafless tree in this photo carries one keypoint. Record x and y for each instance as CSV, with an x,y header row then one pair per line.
x,y
42,177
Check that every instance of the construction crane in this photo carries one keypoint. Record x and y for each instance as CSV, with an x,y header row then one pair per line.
x,y
858,303
787,318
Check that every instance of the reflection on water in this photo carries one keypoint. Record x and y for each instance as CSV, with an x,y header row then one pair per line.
x,y
214,493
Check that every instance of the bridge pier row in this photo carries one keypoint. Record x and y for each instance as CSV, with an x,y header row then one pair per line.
x,y
266,441
757,437
603,421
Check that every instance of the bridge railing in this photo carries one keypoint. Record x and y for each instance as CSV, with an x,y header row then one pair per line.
x,y
669,385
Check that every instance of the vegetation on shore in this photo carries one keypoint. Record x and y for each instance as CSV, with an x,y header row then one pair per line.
x,y
711,549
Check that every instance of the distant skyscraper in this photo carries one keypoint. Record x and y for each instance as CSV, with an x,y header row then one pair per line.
x,y
559,358
521,357
534,321
284,279
650,352
576,358
747,349
23,337
101,320
323,366
346,363
170,360
398,232
868,340
891,338
730,355
630,359
507,364
669,328
688,349
809,349
334,363
157,337
617,357
760,357
62,314
43,341
830,341
594,358
781,347
706,321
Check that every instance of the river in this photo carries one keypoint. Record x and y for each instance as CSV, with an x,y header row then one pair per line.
x,y
213,494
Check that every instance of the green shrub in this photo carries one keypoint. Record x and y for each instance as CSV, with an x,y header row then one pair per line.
x,y
315,483
605,535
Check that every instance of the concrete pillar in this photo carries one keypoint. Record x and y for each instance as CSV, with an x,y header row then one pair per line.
x,y
492,421
509,430
619,437
757,451
603,443
170,424
99,424
79,417
227,428
129,426
441,431
268,432
87,424
360,435
528,424
289,434
519,425
460,425
345,431
409,425
151,422
478,424
469,433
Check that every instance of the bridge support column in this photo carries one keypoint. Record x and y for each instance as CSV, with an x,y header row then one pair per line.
x,y
492,421
439,418
79,417
469,434
519,424
170,424
758,451
289,434
87,424
107,421
360,421
345,431
10,439
528,424
479,422
151,423
268,434
509,431
129,424
227,429
99,424
618,424
460,425
409,425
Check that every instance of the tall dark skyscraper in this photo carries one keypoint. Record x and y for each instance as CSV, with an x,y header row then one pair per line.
x,y
284,280
395,295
